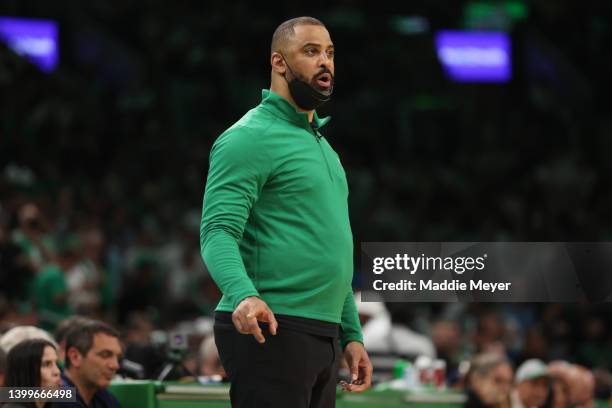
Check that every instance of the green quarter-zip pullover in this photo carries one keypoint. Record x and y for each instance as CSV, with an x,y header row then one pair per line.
x,y
275,220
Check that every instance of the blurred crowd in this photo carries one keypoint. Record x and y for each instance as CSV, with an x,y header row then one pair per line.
x,y
53,266
569,344
491,382
88,354
103,164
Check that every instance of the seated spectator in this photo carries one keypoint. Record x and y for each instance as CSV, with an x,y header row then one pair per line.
x,y
20,333
582,392
138,345
446,337
578,381
86,278
582,387
31,235
92,359
50,288
489,381
32,363
532,385
558,396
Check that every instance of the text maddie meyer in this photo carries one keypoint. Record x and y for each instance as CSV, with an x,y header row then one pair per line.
x,y
445,285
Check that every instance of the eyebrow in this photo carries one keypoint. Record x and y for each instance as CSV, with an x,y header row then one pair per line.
x,y
316,45
104,351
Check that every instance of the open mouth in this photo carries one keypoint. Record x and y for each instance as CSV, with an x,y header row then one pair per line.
x,y
324,81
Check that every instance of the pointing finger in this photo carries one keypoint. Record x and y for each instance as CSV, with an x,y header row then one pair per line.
x,y
259,335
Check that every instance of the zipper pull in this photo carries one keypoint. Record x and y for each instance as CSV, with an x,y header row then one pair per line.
x,y
315,129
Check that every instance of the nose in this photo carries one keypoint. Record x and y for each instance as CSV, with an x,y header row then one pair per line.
x,y
325,60
114,364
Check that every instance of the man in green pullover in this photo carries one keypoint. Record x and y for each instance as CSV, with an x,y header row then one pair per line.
x,y
276,238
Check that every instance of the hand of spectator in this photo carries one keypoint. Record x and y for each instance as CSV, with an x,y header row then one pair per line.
x,y
249,312
360,366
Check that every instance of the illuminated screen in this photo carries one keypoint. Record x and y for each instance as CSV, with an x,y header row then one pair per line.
x,y
34,39
469,56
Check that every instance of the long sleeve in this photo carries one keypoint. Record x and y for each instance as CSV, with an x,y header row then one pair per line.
x,y
238,171
350,328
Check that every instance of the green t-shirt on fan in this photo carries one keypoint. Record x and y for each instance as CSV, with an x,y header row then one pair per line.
x,y
51,296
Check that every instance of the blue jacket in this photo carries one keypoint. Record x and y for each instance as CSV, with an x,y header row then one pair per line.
x,y
101,399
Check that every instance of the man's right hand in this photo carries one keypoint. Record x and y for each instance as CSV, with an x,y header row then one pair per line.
x,y
249,312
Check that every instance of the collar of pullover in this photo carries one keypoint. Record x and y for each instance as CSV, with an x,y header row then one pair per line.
x,y
280,106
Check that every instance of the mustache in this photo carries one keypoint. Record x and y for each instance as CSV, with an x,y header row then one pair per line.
x,y
324,70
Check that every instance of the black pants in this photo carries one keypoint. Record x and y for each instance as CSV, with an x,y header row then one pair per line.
x,y
290,370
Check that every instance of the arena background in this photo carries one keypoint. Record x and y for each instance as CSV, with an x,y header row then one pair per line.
x,y
109,151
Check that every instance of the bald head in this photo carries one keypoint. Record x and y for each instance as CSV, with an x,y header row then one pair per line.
x,y
284,32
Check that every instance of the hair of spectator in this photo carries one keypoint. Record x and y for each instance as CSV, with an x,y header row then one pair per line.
x,y
483,364
81,337
20,333
23,363
67,325
287,30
